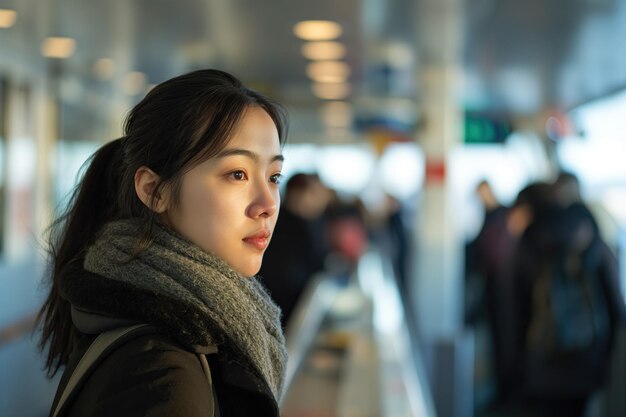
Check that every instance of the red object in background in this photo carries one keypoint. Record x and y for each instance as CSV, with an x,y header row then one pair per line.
x,y
349,238
435,171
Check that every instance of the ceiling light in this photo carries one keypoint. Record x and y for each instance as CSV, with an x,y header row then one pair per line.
x,y
328,71
326,50
7,18
338,106
134,83
317,30
337,132
104,69
331,91
337,114
58,47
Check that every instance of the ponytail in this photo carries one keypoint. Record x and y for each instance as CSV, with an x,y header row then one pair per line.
x,y
93,203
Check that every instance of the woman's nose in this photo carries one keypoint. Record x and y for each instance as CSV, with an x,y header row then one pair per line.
x,y
265,201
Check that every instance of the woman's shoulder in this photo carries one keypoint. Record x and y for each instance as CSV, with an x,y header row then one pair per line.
x,y
150,374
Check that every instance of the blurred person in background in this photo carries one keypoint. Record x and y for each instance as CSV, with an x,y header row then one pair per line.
x,y
394,238
484,253
350,226
568,306
567,191
299,246
168,227
491,270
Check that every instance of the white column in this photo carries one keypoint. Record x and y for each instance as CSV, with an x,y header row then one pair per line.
x,y
438,285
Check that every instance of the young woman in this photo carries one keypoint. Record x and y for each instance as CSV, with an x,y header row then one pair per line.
x,y
168,227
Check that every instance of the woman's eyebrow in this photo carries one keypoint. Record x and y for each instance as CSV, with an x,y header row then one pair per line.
x,y
244,152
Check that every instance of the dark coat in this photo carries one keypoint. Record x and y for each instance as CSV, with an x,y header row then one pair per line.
x,y
296,252
154,374
568,240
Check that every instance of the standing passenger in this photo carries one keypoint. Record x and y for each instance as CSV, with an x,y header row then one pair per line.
x,y
569,308
168,227
299,247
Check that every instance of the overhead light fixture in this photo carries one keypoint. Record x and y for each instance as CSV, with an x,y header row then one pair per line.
x,y
323,50
317,30
134,83
331,91
328,71
337,107
337,132
7,18
58,47
337,114
104,69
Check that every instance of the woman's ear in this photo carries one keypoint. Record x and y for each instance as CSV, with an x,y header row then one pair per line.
x,y
146,182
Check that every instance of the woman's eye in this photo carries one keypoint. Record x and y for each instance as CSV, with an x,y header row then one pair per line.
x,y
276,178
238,175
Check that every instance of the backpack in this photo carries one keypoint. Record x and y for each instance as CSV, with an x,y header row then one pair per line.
x,y
570,328
569,311
100,348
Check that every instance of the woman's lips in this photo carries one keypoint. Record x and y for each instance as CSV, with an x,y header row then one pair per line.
x,y
259,241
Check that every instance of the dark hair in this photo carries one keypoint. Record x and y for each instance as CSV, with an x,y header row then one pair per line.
x,y
298,182
537,195
179,124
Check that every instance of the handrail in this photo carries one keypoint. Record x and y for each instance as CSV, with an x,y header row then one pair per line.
x,y
384,334
400,359
306,319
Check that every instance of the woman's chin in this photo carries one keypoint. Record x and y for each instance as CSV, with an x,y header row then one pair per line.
x,y
248,270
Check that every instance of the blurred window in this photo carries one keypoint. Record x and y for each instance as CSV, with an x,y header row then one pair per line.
x,y
70,157
598,154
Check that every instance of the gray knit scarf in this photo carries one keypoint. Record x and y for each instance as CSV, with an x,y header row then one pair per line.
x,y
237,310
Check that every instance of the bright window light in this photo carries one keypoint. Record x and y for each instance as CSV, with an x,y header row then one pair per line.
x,y
402,169
508,169
346,168
299,158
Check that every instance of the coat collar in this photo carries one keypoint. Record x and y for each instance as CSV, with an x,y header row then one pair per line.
x,y
100,304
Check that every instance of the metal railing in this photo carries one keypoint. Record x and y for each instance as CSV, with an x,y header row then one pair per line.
x,y
382,373
404,387
306,320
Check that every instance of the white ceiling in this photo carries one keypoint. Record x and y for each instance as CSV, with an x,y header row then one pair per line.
x,y
518,55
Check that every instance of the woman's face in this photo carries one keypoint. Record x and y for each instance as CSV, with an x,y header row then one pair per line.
x,y
229,203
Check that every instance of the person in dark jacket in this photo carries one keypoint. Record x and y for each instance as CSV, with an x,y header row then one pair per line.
x,y
569,306
168,227
299,248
